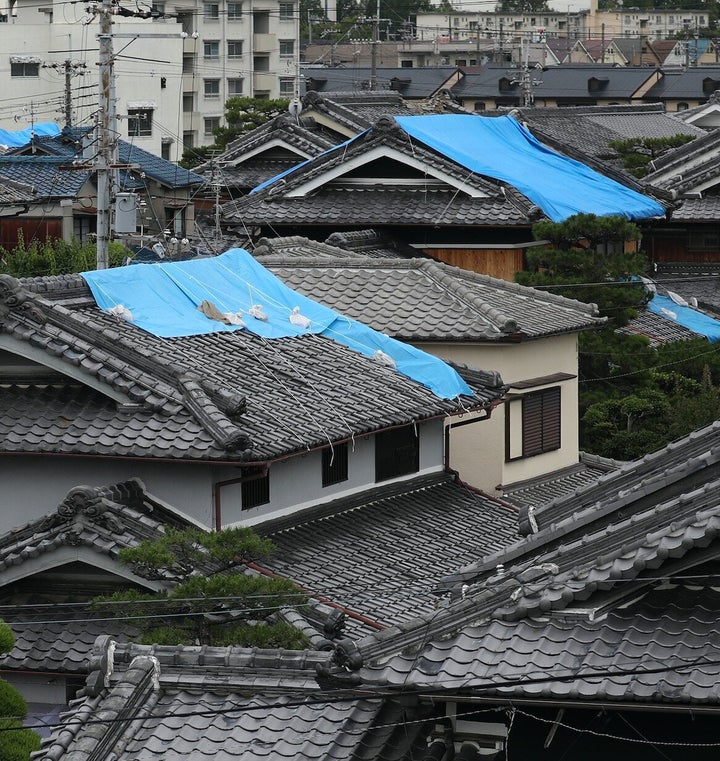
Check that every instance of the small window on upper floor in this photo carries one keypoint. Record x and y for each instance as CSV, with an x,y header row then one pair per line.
x,y
335,464
212,88
255,492
234,11
211,49
397,453
533,423
211,11
234,48
287,11
287,48
287,87
24,69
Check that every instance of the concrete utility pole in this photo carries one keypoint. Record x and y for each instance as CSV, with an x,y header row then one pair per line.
x,y
107,135
374,48
70,69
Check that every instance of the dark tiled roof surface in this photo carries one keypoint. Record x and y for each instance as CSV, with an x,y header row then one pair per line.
x,y
658,329
538,491
663,648
424,81
689,280
380,553
421,299
686,168
683,84
211,397
371,243
334,204
705,209
12,192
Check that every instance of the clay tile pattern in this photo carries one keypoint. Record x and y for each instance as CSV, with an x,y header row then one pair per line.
x,y
145,399
420,299
420,529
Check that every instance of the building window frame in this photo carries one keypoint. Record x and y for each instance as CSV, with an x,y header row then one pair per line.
x,y
537,417
397,452
211,11
211,88
140,122
233,87
255,492
234,11
211,49
234,48
286,11
287,48
335,464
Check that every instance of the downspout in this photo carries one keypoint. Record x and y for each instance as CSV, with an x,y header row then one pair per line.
x,y
217,500
479,419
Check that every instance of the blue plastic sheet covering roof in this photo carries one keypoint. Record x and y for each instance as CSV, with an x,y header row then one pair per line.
x,y
686,316
23,136
163,299
503,149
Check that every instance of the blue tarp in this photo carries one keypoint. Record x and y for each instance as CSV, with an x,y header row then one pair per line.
x,y
686,316
503,149
163,299
23,136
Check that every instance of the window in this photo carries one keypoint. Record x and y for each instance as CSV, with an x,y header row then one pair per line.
x,y
234,48
188,63
188,101
479,105
335,465
157,10
234,11
406,63
287,48
212,88
397,453
140,122
287,11
287,87
24,69
261,63
534,418
211,49
255,492
235,86
211,11
165,150
211,124
188,139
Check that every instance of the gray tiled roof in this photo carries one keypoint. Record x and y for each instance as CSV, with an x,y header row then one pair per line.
x,y
424,81
337,206
44,173
230,704
421,299
690,280
380,553
587,131
223,396
684,169
12,193
684,84
658,329
372,243
706,209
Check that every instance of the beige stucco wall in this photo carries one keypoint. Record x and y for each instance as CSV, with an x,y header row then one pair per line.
x,y
477,451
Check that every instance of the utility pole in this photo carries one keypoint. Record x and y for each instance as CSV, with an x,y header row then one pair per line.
x,y
374,48
70,69
106,135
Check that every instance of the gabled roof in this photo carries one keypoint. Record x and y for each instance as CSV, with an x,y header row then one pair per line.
x,y
425,300
706,115
687,84
229,396
371,243
690,280
354,111
68,145
419,186
266,152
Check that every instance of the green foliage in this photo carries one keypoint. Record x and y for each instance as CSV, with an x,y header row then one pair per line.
x,y
16,743
634,398
211,600
55,257
524,6
637,153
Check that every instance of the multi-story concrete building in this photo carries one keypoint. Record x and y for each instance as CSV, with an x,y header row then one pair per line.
x,y
173,70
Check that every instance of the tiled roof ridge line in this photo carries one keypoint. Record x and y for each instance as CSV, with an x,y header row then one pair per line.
x,y
54,748
678,155
346,116
436,272
223,430
698,529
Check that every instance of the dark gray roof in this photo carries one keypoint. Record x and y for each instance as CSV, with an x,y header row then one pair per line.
x,y
425,300
380,553
334,204
44,174
266,152
542,489
692,281
355,111
411,83
117,390
13,193
693,83
567,84
587,131
658,329
168,703
372,243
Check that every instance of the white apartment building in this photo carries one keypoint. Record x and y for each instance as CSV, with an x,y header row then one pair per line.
x,y
173,72
501,27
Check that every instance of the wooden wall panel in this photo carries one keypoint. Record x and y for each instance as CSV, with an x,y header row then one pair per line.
x,y
32,229
502,263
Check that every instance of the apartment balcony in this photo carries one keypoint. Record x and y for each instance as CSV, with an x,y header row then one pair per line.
x,y
264,43
265,82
